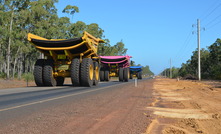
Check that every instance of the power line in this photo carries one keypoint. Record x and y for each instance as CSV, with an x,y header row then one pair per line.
x,y
183,49
185,43
213,25
213,20
214,9
187,50
207,10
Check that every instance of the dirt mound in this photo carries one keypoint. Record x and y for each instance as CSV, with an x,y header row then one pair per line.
x,y
185,107
189,77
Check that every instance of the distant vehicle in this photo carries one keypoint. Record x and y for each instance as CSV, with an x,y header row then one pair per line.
x,y
115,66
136,71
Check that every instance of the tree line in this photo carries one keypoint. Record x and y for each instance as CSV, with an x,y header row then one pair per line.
x,y
210,64
20,17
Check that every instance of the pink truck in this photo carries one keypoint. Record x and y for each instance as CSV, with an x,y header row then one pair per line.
x,y
115,66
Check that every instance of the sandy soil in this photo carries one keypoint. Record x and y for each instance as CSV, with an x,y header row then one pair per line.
x,y
185,107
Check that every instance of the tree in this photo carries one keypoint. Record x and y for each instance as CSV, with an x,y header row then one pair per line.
x,y
132,63
105,48
146,71
77,29
95,30
118,49
71,9
18,17
214,60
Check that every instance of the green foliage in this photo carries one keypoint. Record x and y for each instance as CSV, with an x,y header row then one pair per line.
x,y
174,71
214,60
210,64
2,75
119,49
132,63
209,67
146,71
108,50
71,9
28,76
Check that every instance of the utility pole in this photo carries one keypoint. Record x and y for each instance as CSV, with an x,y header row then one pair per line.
x,y
198,43
170,68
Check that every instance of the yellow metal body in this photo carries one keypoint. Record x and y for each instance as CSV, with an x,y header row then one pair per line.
x,y
90,41
63,61
113,74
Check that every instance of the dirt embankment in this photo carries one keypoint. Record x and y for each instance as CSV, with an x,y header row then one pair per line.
x,y
15,83
4,84
185,107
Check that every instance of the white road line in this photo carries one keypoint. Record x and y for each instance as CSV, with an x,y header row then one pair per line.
x,y
56,98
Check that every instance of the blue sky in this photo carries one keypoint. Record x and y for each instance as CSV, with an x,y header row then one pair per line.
x,y
154,31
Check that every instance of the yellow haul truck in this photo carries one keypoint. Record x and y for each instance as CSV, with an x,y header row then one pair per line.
x,y
75,58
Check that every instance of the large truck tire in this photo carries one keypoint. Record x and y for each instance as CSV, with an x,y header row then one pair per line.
x,y
96,74
121,74
75,72
131,75
139,75
106,75
87,72
126,74
48,77
38,72
102,74
60,81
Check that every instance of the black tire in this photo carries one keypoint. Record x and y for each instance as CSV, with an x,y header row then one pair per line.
x,y
139,75
38,72
75,72
87,72
101,74
60,81
48,77
126,74
106,75
121,74
131,75
96,74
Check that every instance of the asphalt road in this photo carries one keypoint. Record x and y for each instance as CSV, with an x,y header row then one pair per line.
x,y
18,103
16,99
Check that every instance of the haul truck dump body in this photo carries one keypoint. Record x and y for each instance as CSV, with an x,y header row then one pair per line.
x,y
115,66
136,71
76,58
